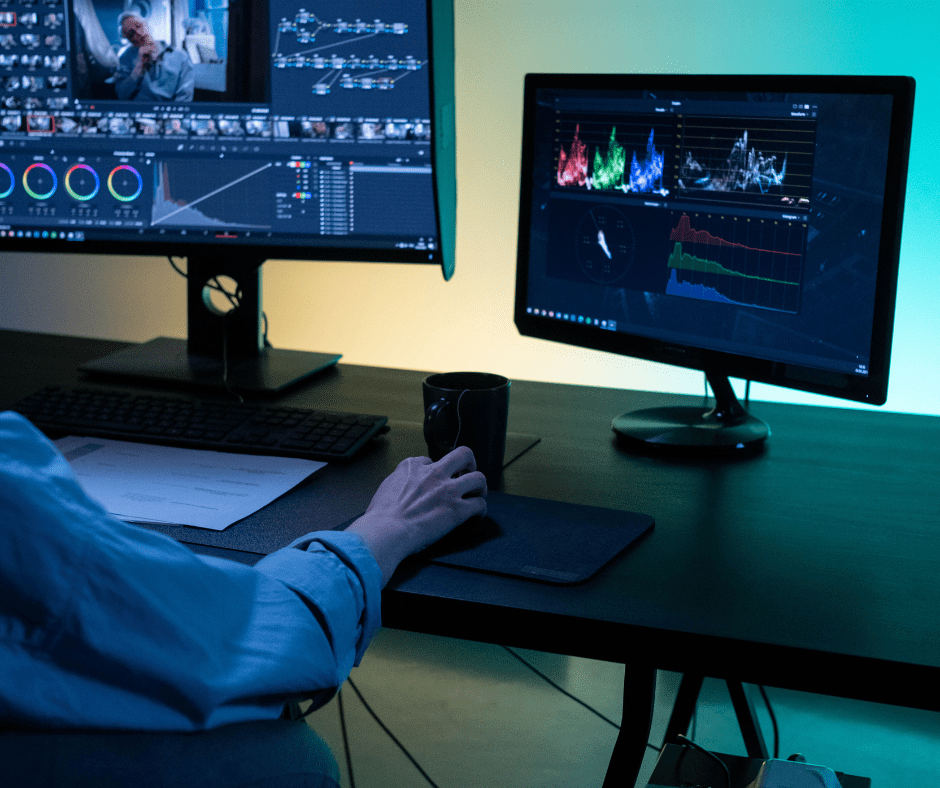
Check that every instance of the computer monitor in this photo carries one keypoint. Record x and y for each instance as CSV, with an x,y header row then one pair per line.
x,y
228,132
746,226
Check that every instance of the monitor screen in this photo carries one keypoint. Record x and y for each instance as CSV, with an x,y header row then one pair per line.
x,y
166,126
747,226
228,132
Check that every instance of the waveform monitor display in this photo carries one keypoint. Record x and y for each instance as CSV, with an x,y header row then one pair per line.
x,y
757,263
625,153
765,162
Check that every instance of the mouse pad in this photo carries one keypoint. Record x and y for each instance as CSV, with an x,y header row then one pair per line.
x,y
536,539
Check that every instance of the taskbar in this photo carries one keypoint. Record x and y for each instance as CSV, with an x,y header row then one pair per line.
x,y
117,234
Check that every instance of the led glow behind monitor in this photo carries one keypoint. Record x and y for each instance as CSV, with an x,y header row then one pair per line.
x,y
747,226
262,129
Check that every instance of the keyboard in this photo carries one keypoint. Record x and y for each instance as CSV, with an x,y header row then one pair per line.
x,y
310,434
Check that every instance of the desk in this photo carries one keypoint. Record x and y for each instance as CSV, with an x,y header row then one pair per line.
x,y
814,566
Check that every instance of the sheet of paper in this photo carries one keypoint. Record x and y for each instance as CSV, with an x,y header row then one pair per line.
x,y
143,483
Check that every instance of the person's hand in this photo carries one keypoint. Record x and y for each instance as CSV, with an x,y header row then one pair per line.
x,y
146,55
426,500
418,503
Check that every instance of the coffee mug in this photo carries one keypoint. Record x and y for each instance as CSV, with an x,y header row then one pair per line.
x,y
467,409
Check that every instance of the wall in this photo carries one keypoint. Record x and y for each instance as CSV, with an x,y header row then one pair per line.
x,y
409,317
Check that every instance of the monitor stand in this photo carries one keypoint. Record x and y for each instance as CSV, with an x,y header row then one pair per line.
x,y
224,349
727,427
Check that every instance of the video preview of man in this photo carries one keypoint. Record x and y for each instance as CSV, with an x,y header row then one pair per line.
x,y
158,51
150,70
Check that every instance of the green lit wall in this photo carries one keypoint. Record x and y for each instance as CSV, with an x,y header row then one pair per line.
x,y
408,317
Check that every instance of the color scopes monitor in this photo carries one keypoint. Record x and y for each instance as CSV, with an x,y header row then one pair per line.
x,y
746,226
228,132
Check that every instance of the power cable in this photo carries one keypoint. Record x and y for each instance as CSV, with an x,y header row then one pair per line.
x,y
342,724
690,743
565,692
389,733
773,720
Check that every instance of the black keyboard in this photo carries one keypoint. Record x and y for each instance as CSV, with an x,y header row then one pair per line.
x,y
248,428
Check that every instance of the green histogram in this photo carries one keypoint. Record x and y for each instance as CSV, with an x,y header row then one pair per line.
x,y
608,170
687,262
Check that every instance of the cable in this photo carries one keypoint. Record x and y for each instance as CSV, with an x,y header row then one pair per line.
x,y
773,721
342,725
690,743
229,389
390,734
180,271
342,719
565,692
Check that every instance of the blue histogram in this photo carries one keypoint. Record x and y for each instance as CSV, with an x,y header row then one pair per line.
x,y
648,176
701,292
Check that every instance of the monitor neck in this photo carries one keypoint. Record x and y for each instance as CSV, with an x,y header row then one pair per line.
x,y
211,331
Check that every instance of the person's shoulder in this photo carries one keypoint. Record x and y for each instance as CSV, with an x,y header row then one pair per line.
x,y
13,424
19,439
174,55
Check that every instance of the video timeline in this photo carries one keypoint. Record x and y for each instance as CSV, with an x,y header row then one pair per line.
x,y
173,125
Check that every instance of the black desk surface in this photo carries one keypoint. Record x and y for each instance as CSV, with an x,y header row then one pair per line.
x,y
813,566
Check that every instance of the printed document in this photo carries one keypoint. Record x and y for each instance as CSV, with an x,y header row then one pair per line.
x,y
142,483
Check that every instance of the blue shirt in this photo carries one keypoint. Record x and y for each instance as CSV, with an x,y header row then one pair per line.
x,y
170,77
108,625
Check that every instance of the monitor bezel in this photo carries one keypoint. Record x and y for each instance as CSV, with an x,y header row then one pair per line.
x,y
870,389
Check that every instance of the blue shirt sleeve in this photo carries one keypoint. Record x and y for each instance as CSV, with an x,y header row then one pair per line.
x,y
108,625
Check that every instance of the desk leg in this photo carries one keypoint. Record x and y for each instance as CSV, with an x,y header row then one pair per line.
x,y
744,710
684,707
639,695
747,720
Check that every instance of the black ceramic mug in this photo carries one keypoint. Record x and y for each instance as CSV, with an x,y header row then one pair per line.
x,y
467,409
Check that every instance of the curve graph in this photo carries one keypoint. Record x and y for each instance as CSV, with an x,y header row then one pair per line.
x,y
229,195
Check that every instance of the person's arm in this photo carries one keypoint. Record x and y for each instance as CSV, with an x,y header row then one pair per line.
x,y
127,77
109,625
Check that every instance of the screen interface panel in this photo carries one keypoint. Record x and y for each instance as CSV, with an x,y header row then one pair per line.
x,y
742,223
270,122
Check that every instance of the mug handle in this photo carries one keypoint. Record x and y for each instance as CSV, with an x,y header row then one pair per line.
x,y
433,426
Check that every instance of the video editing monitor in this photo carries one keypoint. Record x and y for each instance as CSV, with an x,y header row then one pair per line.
x,y
747,226
228,132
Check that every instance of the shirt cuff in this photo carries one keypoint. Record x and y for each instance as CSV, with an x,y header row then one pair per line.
x,y
359,562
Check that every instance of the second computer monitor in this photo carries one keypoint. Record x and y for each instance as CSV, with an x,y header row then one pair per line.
x,y
746,226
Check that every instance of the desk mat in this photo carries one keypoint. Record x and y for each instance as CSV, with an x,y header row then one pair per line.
x,y
562,543
323,501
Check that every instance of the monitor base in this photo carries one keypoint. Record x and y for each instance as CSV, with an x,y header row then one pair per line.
x,y
689,428
166,360
727,427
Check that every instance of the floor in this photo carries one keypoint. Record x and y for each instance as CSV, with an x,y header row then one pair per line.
x,y
471,714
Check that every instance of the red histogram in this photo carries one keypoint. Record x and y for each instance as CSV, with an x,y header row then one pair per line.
x,y
685,234
573,166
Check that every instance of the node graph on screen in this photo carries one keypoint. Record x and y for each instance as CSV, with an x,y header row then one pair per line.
x,y
228,133
746,226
